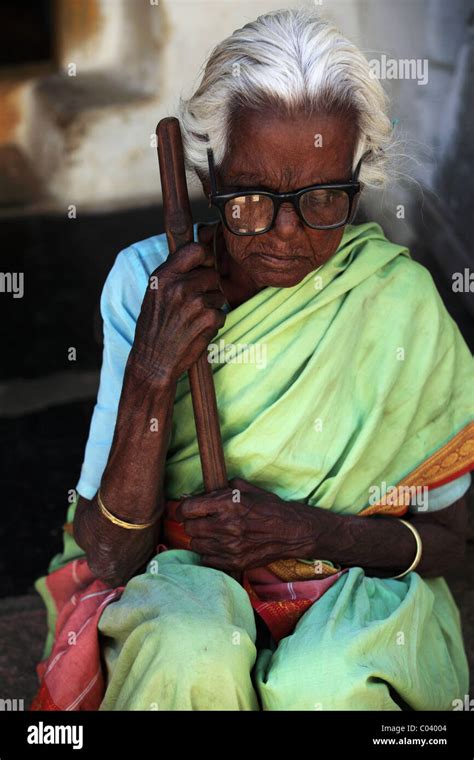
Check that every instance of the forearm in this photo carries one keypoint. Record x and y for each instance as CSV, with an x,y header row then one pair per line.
x,y
132,483
382,545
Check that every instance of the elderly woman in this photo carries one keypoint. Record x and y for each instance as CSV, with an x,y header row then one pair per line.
x,y
299,586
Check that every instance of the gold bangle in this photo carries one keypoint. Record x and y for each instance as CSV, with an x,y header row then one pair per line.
x,y
419,547
117,521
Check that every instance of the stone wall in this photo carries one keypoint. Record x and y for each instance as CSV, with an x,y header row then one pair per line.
x,y
79,129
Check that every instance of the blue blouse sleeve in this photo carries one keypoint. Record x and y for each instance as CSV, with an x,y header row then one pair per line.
x,y
120,306
444,496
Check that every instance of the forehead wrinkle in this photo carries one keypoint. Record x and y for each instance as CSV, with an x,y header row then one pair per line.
x,y
278,176
262,176
285,179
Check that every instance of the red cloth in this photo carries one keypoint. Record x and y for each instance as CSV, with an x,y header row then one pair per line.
x,y
72,677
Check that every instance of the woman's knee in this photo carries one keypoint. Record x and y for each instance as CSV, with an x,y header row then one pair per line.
x,y
185,630
188,641
189,664
322,679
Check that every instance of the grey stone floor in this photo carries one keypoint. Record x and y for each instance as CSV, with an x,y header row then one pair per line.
x,y
22,636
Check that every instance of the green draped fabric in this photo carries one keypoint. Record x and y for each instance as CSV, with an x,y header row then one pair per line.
x,y
366,376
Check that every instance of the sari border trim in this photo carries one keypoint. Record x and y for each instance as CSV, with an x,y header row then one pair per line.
x,y
453,459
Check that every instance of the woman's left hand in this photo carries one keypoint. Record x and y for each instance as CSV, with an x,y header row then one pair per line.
x,y
244,526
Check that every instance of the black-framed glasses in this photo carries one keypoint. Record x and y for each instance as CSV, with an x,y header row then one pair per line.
x,y
253,211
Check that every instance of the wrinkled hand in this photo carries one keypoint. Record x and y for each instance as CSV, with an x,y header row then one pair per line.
x,y
243,526
180,314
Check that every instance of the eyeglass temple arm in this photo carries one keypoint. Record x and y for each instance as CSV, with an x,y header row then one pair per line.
x,y
362,158
212,171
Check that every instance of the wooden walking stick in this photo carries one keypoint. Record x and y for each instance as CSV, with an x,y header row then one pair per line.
x,y
179,230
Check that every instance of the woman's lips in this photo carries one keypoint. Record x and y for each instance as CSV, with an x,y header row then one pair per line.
x,y
277,260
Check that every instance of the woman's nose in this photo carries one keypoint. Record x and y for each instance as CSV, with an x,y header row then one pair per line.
x,y
287,222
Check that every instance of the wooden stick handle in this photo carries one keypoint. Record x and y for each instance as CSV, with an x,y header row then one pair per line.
x,y
179,230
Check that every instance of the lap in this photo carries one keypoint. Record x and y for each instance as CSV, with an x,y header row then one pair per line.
x,y
362,644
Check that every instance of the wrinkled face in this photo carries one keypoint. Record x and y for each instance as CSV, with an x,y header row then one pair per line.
x,y
285,154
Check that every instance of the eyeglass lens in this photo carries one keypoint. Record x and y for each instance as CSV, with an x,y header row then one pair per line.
x,y
253,213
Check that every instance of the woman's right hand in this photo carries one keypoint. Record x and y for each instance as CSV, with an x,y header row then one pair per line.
x,y
180,314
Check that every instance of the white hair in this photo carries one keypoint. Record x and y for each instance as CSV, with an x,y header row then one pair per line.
x,y
289,59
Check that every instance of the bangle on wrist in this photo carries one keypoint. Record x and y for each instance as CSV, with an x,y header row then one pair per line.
x,y
419,548
117,521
